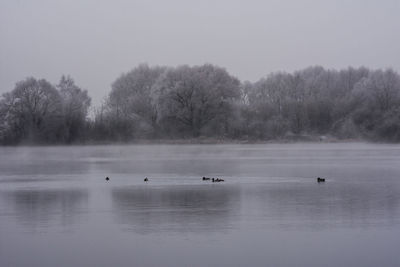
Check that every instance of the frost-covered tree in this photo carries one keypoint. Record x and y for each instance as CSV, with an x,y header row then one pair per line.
x,y
31,112
377,101
132,96
194,101
75,104
193,98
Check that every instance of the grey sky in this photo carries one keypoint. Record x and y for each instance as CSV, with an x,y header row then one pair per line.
x,y
95,41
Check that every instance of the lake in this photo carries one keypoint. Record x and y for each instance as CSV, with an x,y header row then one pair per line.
x,y
56,209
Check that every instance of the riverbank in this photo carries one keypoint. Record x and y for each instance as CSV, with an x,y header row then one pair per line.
x,y
213,140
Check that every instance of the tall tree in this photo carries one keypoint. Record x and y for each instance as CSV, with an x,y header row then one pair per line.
x,y
32,111
132,97
194,97
76,103
377,99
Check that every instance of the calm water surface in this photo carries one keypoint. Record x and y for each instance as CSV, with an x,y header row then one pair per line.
x,y
56,209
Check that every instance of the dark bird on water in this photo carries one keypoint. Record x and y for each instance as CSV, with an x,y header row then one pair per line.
x,y
319,179
206,178
107,179
146,179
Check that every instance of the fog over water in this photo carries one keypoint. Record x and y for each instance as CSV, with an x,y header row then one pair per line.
x,y
56,209
97,71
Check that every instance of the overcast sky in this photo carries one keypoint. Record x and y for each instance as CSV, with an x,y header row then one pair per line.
x,y
95,41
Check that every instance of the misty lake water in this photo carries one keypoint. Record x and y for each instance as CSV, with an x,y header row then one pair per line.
x,y
56,209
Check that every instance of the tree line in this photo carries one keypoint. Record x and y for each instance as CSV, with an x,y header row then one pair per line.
x,y
206,101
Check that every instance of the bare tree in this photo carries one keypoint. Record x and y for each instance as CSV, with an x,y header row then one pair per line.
x,y
132,96
195,96
76,103
207,101
33,111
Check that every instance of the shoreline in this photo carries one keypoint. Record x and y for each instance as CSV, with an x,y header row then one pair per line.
x,y
207,141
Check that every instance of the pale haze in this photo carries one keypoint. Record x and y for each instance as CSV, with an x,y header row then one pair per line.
x,y
96,41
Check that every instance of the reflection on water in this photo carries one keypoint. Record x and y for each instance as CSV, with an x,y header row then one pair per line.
x,y
323,206
176,208
43,208
56,209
